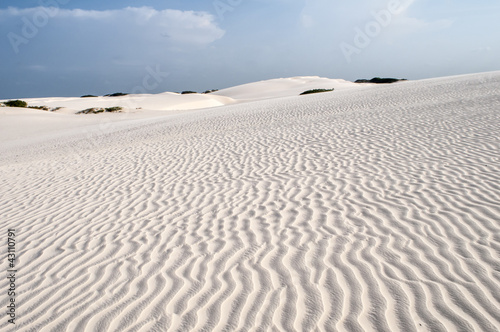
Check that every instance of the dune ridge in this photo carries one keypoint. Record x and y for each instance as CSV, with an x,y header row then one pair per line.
x,y
373,209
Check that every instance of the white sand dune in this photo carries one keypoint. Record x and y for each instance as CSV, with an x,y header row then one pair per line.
x,y
169,101
364,209
162,101
284,87
21,125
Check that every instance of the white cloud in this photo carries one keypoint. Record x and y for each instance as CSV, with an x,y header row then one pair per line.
x,y
307,21
486,49
186,27
38,68
405,25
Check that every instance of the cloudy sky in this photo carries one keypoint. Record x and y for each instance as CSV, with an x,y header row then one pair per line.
x,y
76,47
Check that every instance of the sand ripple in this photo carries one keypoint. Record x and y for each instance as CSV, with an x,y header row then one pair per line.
x,y
375,209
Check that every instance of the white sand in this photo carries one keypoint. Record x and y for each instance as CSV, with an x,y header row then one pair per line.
x,y
26,125
373,208
284,87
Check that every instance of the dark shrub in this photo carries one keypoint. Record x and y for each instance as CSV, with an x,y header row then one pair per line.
x,y
113,109
379,80
88,96
16,103
210,91
45,108
187,92
116,94
315,91
101,110
91,111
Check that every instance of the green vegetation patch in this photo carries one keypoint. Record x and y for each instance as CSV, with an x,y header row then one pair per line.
x,y
116,94
379,80
315,91
95,110
23,104
44,108
16,103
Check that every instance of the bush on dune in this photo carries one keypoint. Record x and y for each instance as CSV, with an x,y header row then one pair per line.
x,y
315,91
116,94
95,110
113,109
88,96
45,108
16,103
187,92
379,80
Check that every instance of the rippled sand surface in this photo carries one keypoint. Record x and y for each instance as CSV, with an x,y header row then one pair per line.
x,y
372,209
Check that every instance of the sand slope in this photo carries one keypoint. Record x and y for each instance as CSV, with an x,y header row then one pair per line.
x,y
372,209
19,125
162,101
284,87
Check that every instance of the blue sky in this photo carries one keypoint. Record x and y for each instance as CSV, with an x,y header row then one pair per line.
x,y
75,47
